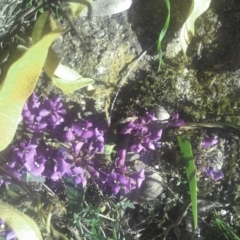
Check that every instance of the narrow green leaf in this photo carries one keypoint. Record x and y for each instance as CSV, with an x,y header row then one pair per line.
x,y
162,34
75,195
186,150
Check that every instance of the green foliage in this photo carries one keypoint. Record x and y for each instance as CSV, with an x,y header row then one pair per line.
x,y
225,228
198,7
93,224
75,195
186,150
23,225
19,84
108,149
162,34
122,206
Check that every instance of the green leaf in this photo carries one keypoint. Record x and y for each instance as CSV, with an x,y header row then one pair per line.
x,y
162,34
108,149
69,80
19,84
186,150
198,7
77,8
23,225
75,195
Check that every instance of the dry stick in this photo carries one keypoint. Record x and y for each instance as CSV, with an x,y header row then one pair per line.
x,y
120,85
71,23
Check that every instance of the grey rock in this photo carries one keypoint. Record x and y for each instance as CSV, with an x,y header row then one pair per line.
x,y
108,7
161,113
152,187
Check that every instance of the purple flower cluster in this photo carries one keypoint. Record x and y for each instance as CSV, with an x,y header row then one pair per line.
x,y
40,116
120,178
6,232
176,121
74,152
55,148
144,133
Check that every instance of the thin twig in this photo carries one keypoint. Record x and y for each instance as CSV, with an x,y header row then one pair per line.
x,y
120,85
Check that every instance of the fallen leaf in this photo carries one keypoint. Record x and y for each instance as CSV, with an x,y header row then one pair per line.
x,y
19,84
188,31
69,80
23,225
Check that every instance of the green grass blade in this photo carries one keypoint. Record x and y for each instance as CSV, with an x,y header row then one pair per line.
x,y
162,34
224,228
186,150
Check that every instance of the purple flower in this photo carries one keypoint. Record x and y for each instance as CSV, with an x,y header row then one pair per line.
x,y
34,115
121,155
99,134
53,108
137,148
69,135
213,173
78,176
35,165
176,122
33,119
97,141
116,181
135,126
10,234
25,151
150,116
1,224
77,145
84,130
138,177
61,167
143,133
97,147
209,141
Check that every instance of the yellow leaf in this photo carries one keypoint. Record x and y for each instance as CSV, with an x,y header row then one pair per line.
x,y
77,8
18,86
51,63
44,25
69,80
187,32
24,226
39,26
